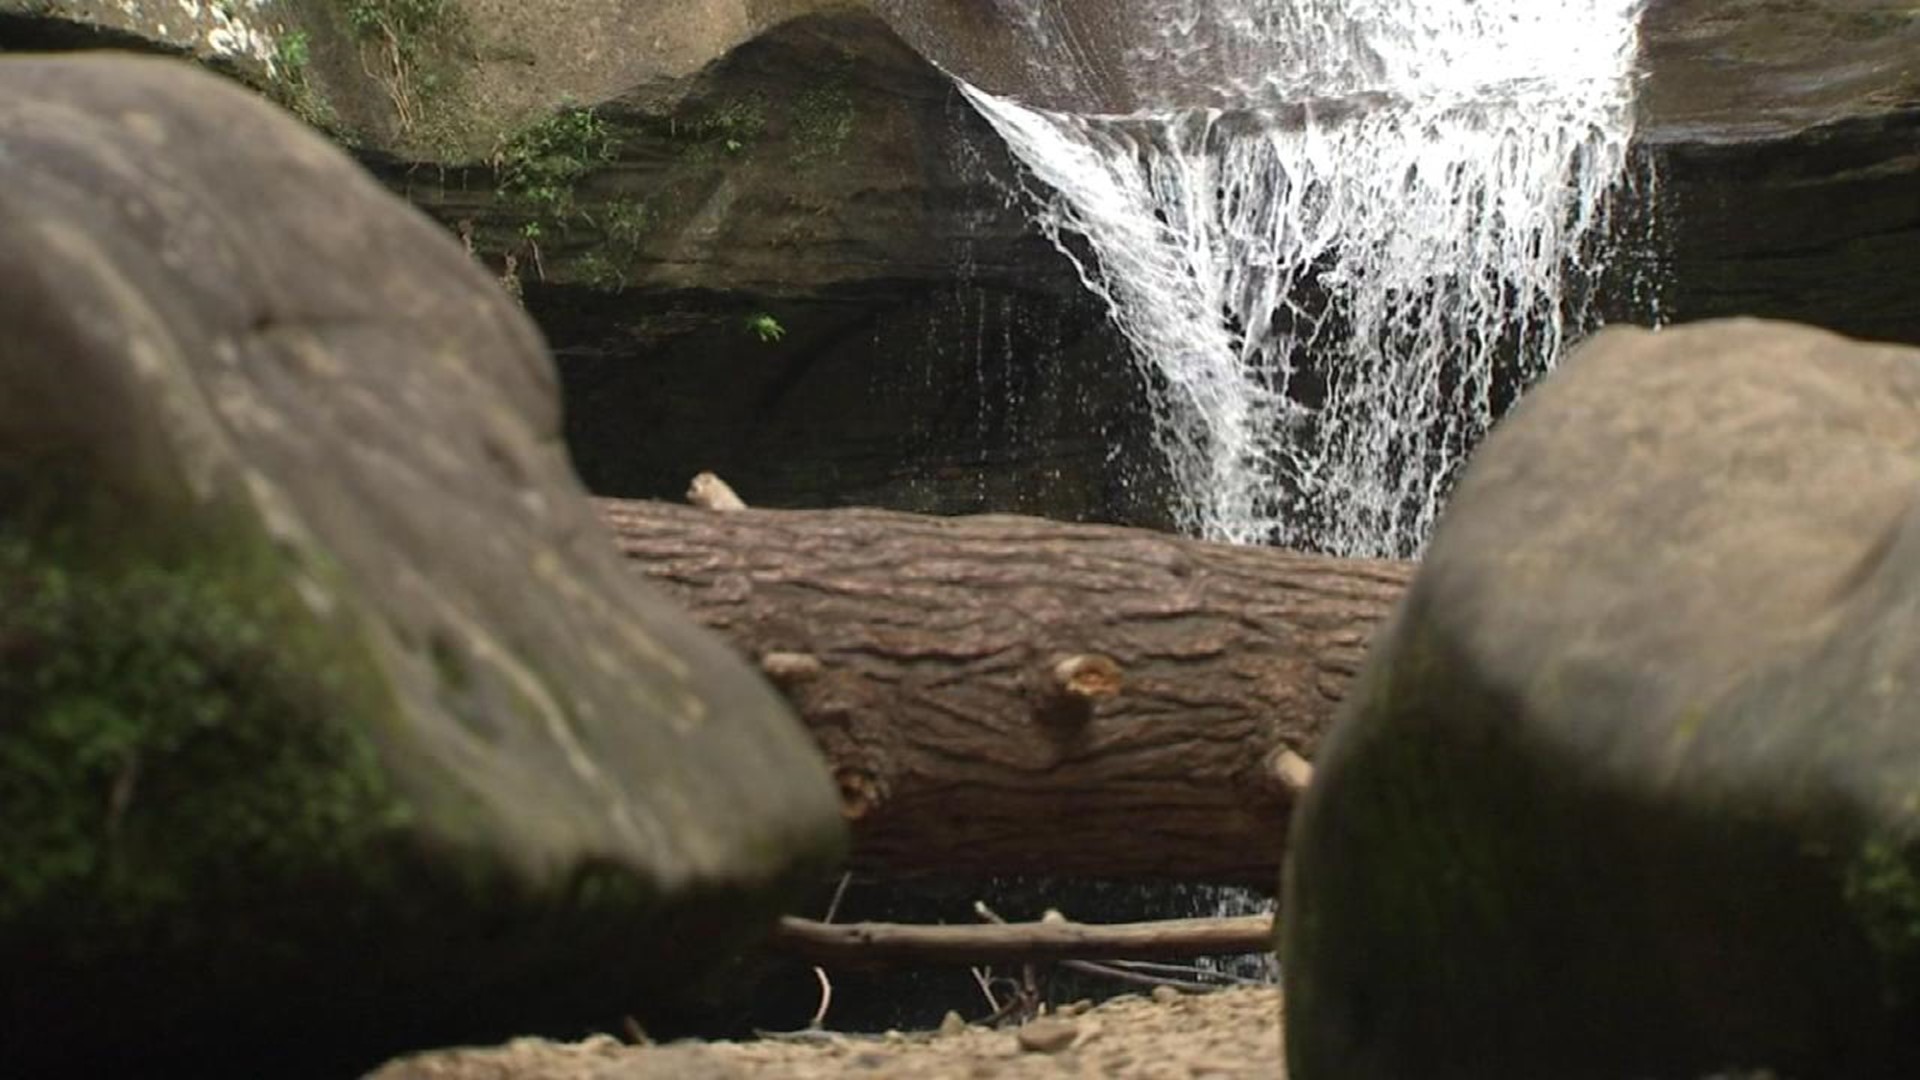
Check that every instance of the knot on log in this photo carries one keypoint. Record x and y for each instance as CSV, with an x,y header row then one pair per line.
x,y
859,792
1074,685
1087,677
788,669
1289,773
709,492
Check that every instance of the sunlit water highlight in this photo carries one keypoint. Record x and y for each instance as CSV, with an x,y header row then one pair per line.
x,y
1337,237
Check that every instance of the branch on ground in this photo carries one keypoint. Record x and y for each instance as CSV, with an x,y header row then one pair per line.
x,y
886,944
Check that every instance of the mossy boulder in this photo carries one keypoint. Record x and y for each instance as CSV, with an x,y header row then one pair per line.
x,y
1630,785
329,716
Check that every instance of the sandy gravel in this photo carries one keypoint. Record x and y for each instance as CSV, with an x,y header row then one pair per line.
x,y
1228,1035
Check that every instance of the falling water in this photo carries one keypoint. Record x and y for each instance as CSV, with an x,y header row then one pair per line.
x,y
1337,233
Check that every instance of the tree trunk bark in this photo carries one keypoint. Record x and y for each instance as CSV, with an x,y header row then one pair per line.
x,y
1004,695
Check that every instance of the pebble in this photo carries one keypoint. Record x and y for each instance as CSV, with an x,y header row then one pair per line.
x,y
952,1024
1047,1036
1166,995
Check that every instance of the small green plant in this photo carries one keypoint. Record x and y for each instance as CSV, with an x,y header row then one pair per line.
x,y
398,34
402,21
765,327
541,163
291,55
601,273
627,222
294,89
732,126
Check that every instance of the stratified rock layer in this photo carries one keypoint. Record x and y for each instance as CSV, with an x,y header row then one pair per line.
x,y
800,267
328,714
805,166
1784,143
1631,784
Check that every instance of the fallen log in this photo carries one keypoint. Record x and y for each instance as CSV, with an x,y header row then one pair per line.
x,y
1004,695
880,944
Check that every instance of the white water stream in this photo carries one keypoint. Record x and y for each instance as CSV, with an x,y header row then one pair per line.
x,y
1336,235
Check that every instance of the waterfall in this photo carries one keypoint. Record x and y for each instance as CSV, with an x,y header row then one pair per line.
x,y
1337,234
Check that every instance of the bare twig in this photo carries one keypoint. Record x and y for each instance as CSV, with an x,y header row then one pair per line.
x,y
987,914
1187,971
880,944
820,973
839,893
1120,974
802,1035
826,997
983,980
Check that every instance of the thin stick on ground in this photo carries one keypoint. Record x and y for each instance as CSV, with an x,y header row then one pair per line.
x,y
1187,971
820,973
886,944
826,998
1120,974
982,980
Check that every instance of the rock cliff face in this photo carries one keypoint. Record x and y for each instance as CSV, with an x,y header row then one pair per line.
x,y
801,268
1786,142
786,201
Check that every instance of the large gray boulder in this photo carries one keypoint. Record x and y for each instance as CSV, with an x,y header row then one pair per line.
x,y
1630,786
329,717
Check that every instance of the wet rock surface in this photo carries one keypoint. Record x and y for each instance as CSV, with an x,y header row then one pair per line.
x,y
1785,144
1736,70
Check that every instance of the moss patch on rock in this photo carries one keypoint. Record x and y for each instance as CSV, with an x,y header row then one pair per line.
x,y
171,734
1883,888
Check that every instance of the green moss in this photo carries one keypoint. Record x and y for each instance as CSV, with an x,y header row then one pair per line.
x,y
1883,889
169,732
823,120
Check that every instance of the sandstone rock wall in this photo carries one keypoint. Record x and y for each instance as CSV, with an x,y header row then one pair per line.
x,y
804,167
